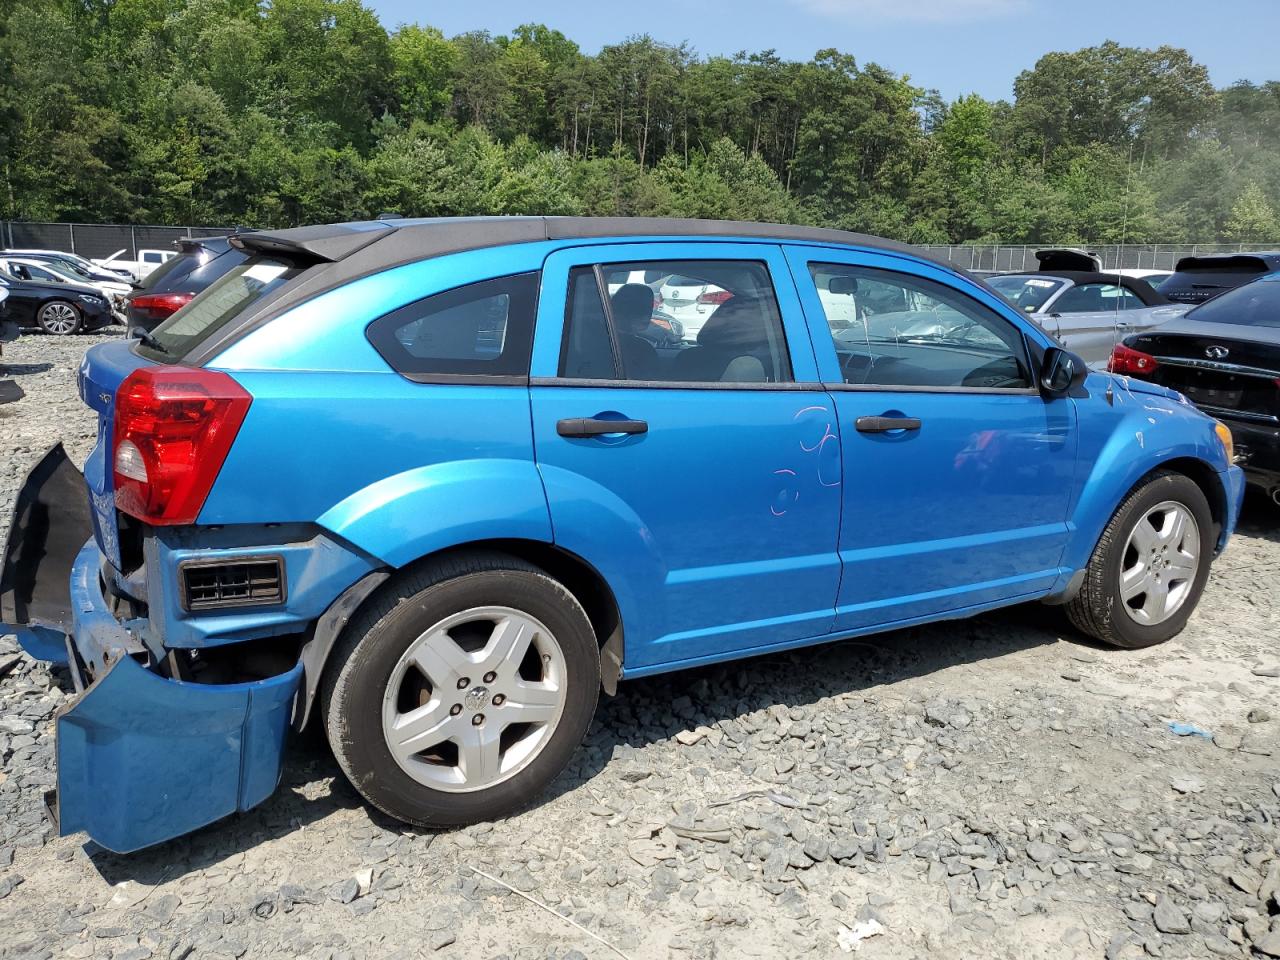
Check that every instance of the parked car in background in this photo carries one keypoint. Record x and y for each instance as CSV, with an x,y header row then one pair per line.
x,y
1088,312
1151,276
1224,356
197,264
50,271
85,268
414,479
9,389
1201,278
147,261
58,307
692,301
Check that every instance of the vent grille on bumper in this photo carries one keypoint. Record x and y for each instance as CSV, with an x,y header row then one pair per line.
x,y
240,582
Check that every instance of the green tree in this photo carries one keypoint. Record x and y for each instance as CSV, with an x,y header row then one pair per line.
x,y
1252,218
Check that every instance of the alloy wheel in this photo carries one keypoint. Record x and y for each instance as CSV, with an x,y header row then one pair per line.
x,y
1161,559
59,318
474,699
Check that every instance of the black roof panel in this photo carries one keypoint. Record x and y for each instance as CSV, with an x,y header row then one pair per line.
x,y
405,240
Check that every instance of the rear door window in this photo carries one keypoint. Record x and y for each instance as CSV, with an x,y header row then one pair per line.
x,y
697,321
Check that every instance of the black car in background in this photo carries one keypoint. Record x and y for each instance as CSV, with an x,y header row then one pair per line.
x,y
9,389
57,308
172,285
1225,357
1201,278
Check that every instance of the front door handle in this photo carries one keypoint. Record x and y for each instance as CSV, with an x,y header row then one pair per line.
x,y
885,424
591,427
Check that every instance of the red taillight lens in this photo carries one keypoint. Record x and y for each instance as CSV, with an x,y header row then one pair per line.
x,y
160,306
717,297
1128,360
173,427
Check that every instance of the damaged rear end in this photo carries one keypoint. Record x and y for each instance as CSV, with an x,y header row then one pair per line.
x,y
182,640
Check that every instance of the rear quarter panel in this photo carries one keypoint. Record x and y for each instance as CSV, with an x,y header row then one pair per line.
x,y
394,467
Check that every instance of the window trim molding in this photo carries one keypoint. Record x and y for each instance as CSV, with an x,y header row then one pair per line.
x,y
808,386
842,387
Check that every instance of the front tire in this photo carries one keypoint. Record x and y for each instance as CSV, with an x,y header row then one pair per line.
x,y
1150,566
60,318
462,690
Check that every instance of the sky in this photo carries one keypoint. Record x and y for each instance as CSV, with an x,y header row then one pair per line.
x,y
954,46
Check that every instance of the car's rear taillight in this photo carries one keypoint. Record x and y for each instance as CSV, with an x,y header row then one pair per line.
x,y
160,306
173,427
1130,361
715,297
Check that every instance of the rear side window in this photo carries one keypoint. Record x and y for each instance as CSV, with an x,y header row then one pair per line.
x,y
235,292
481,330
678,321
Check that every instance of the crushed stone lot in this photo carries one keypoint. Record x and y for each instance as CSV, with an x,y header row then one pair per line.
x,y
996,787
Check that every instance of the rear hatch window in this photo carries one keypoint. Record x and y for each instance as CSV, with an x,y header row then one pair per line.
x,y
1198,279
236,291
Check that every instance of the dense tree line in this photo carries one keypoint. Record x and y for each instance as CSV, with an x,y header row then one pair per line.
x,y
277,112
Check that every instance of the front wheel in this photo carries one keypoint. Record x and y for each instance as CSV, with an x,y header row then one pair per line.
x,y
59,318
1150,565
462,692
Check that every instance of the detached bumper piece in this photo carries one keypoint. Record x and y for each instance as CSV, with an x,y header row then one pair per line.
x,y
143,758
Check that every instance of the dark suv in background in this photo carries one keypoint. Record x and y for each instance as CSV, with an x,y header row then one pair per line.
x,y
172,285
1197,279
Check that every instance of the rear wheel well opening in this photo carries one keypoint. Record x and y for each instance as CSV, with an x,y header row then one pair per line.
x,y
579,578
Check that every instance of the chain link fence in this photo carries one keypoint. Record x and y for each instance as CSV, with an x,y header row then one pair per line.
x,y
1016,258
100,240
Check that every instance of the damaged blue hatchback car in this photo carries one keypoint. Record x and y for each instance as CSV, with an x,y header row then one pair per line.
x,y
436,484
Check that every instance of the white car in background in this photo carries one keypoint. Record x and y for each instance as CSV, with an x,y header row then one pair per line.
x,y
1153,277
690,301
23,269
148,260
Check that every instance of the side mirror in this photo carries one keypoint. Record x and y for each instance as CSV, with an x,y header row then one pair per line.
x,y
1061,372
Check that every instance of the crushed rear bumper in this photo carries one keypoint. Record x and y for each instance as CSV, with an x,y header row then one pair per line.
x,y
141,757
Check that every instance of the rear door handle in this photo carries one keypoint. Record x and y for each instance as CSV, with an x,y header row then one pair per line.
x,y
885,424
590,427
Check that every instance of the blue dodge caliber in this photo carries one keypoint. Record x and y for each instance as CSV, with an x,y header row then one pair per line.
x,y
435,484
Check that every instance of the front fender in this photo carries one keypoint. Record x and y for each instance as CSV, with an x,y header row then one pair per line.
x,y
1123,441
420,511
594,523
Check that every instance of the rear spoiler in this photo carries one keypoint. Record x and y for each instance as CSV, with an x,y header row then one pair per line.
x,y
321,243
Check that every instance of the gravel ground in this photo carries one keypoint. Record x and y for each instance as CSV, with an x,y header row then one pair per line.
x,y
988,788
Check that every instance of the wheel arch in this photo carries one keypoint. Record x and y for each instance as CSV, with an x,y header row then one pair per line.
x,y
1199,471
578,576
1206,478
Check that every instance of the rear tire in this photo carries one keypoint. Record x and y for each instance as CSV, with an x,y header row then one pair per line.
x,y
461,690
60,318
1149,567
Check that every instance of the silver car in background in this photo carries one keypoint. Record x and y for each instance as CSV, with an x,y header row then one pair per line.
x,y
1088,311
